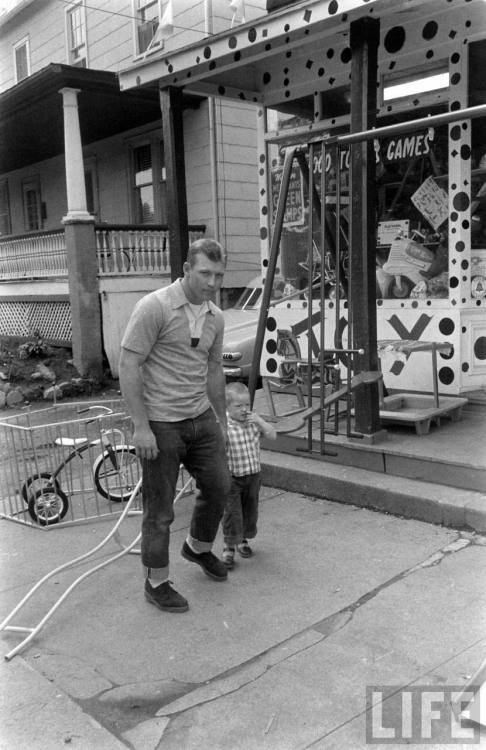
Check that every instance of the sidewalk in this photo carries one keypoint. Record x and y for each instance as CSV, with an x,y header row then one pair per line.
x,y
335,598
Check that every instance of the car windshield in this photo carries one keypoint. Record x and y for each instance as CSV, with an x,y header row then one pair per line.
x,y
250,299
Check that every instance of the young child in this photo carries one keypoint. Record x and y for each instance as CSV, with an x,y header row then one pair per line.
x,y
244,431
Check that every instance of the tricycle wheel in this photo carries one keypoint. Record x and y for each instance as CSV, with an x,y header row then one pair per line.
x,y
37,482
48,506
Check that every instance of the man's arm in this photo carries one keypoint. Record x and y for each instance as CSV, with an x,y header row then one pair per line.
x,y
215,388
132,391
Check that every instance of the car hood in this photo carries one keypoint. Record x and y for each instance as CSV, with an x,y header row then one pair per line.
x,y
239,324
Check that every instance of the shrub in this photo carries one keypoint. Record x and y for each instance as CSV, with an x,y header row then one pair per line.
x,y
34,348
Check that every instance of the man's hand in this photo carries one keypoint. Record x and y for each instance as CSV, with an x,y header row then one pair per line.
x,y
145,443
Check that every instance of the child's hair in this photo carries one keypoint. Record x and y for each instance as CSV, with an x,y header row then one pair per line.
x,y
233,390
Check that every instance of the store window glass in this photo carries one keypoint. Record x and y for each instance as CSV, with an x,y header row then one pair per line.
x,y
411,216
302,262
412,213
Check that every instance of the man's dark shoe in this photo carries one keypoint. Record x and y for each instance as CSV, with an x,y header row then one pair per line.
x,y
165,597
213,567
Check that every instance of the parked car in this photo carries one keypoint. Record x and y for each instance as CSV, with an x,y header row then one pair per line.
x,y
241,323
240,331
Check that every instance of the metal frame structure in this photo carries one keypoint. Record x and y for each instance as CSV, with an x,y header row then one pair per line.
x,y
317,207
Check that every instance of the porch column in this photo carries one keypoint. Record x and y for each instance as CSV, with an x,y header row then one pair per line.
x,y
80,250
364,40
172,126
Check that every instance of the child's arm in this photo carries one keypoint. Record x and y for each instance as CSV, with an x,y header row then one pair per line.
x,y
265,428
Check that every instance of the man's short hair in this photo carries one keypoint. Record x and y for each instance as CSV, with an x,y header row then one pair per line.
x,y
208,247
235,389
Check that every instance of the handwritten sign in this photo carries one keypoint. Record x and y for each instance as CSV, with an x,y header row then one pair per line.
x,y
294,205
431,201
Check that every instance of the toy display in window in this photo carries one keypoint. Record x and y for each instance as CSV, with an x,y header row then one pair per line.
x,y
412,254
416,267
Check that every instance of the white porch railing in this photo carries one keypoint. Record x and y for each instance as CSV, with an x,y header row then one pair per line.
x,y
136,250
125,250
40,255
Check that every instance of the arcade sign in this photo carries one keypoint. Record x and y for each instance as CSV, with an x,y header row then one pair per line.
x,y
390,150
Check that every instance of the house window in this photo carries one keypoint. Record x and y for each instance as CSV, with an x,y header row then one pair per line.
x,y
5,224
149,185
22,59
76,35
147,13
32,204
144,186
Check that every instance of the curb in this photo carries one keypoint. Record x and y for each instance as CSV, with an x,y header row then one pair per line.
x,y
398,496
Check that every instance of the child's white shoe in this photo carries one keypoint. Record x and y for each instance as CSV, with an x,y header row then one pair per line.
x,y
228,557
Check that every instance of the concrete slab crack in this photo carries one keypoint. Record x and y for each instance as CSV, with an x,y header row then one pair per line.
x,y
244,674
131,710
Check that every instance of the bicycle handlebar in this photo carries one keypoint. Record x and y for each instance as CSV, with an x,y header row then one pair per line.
x,y
105,409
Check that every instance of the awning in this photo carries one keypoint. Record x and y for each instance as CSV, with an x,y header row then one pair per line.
x,y
31,113
277,59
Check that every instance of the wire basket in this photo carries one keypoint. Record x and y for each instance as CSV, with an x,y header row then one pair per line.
x,y
68,463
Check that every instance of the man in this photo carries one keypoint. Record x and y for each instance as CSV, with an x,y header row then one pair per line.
x,y
172,380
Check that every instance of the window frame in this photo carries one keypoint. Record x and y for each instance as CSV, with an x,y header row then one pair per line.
x,y
82,60
159,184
140,8
32,184
23,43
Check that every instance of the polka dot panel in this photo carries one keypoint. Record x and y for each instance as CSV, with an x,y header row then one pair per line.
x,y
415,371
459,212
417,37
409,373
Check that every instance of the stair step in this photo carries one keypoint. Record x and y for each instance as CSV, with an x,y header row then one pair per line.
x,y
400,496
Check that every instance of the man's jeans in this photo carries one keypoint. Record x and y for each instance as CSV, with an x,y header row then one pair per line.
x,y
198,444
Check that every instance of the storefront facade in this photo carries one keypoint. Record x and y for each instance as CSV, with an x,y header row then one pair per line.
x,y
429,196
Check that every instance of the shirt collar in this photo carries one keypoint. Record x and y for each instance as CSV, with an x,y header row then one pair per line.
x,y
179,298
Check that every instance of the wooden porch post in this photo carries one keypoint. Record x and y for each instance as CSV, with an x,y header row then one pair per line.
x,y
364,40
80,250
172,127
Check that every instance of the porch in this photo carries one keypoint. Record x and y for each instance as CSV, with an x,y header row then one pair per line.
x,y
131,260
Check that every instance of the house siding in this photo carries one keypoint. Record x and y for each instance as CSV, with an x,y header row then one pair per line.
x,y
110,46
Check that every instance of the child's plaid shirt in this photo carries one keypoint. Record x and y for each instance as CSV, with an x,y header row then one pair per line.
x,y
243,448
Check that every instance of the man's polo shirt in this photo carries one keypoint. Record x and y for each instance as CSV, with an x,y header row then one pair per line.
x,y
174,374
243,448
